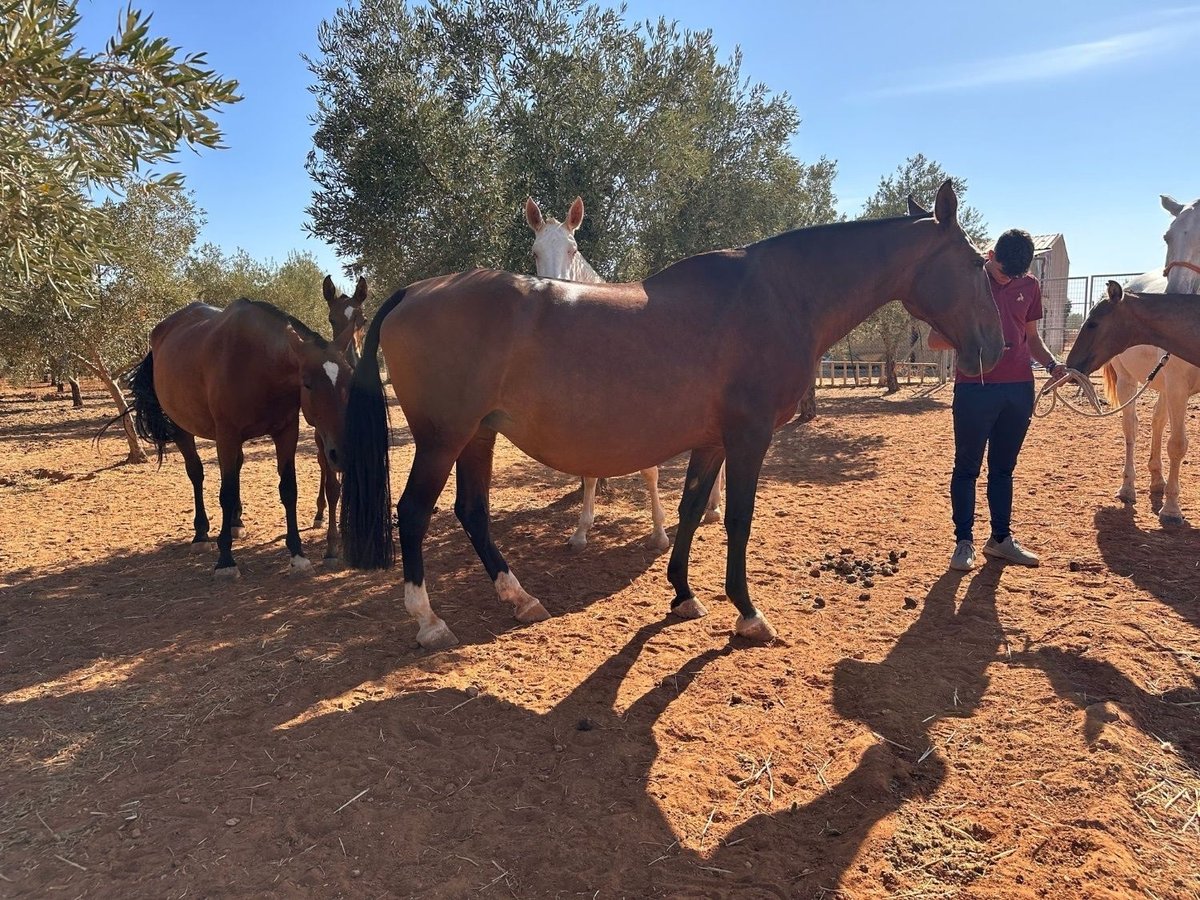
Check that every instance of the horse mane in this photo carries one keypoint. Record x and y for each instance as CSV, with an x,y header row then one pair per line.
x,y
275,312
851,225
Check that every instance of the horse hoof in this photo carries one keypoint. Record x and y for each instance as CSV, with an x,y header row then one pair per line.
x,y
1170,519
576,542
712,516
238,532
332,564
756,629
202,546
531,611
300,566
1127,495
689,609
228,573
437,637
658,540
318,521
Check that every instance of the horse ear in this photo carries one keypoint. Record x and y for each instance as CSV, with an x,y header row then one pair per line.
x,y
296,341
1115,293
1171,205
575,214
533,215
360,292
945,206
915,209
328,291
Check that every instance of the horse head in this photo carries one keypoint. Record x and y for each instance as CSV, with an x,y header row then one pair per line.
x,y
344,311
554,249
950,288
1182,268
1103,334
325,383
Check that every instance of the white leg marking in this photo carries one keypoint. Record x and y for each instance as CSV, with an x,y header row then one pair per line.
x,y
712,513
658,540
587,515
432,632
301,565
525,607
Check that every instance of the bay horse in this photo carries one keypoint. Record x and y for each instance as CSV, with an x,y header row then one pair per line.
x,y
1125,319
231,375
556,255
711,355
1177,381
345,313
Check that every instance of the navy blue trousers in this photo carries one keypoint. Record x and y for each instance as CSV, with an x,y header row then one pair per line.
x,y
995,417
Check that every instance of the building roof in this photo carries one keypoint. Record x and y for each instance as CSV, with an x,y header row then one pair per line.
x,y
1042,243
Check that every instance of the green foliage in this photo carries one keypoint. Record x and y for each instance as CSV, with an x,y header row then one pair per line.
x,y
436,120
73,124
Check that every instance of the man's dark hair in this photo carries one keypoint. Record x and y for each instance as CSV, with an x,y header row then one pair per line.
x,y
1014,252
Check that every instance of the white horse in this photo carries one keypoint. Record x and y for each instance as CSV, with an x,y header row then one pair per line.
x,y
1176,382
557,256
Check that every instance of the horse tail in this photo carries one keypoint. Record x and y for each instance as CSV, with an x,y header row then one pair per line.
x,y
149,420
366,514
1110,385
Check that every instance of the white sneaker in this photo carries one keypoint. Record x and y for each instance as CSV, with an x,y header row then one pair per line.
x,y
964,557
1010,551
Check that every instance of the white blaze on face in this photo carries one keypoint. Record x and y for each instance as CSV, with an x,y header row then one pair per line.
x,y
349,314
331,369
554,249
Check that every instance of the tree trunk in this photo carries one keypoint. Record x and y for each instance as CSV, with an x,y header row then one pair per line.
x,y
76,395
889,371
100,370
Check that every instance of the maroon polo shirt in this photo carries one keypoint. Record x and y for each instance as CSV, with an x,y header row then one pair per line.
x,y
1018,302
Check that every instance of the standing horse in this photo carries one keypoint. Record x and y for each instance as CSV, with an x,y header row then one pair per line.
x,y
345,314
231,375
1170,321
557,256
711,354
1177,381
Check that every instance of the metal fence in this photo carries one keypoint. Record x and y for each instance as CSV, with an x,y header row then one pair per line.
x,y
858,372
1066,302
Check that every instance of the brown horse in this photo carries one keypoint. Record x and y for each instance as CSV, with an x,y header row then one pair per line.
x,y
1124,320
231,375
711,355
345,314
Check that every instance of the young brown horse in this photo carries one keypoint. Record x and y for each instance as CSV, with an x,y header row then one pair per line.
x,y
345,313
708,355
231,375
1124,320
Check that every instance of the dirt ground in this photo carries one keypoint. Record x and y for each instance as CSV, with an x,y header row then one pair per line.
x,y
1011,733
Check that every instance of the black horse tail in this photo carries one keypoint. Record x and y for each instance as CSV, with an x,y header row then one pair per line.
x,y
366,514
149,420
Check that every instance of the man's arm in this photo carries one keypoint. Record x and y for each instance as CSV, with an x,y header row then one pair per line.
x,y
1040,352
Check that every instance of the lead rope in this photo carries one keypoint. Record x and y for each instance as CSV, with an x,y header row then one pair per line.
x,y
1089,393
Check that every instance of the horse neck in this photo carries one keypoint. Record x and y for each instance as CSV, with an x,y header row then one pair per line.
x,y
581,270
1182,280
1161,320
826,280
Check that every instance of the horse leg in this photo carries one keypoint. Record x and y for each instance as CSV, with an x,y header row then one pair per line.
x,y
285,462
322,490
474,476
1157,426
658,539
702,471
1176,396
332,491
1129,425
746,444
430,469
587,516
195,471
230,458
712,512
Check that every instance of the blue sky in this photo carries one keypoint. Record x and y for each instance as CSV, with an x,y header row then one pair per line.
x,y
1062,117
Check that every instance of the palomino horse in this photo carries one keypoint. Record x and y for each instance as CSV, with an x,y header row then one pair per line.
x,y
1170,321
711,354
557,256
231,375
1177,381
344,313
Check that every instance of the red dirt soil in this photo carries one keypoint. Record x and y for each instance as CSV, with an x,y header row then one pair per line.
x,y
1011,733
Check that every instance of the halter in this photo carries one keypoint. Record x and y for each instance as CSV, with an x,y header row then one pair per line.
x,y
1089,392
1183,264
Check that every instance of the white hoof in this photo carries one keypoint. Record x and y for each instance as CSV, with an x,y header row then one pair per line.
x,y
1127,495
332,564
712,516
229,573
199,547
531,611
526,608
436,636
690,609
658,540
756,629
238,532
577,541
301,566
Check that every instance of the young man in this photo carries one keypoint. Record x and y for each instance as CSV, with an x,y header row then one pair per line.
x,y
994,410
